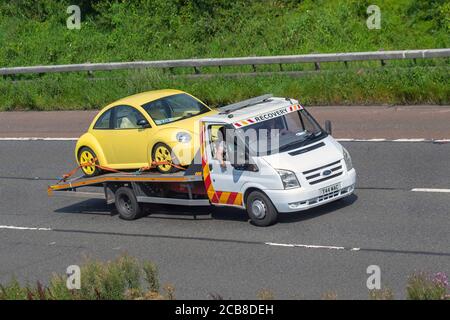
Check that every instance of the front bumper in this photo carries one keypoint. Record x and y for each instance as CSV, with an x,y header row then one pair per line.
x,y
305,198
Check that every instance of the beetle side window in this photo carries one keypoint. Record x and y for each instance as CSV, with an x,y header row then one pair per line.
x,y
104,121
173,108
127,118
159,110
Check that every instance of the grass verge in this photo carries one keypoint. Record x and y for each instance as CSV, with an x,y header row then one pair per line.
x,y
414,85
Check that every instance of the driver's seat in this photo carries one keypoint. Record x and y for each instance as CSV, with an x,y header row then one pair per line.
x,y
128,122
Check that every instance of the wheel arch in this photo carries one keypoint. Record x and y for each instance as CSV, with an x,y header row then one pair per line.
x,y
89,141
249,190
163,135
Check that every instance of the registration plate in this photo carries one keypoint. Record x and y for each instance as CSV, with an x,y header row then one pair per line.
x,y
330,189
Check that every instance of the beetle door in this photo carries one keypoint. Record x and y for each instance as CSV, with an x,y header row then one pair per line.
x,y
129,140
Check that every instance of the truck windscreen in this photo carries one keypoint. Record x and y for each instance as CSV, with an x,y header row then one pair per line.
x,y
279,134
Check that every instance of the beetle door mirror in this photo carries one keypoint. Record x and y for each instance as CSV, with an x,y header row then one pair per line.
x,y
143,123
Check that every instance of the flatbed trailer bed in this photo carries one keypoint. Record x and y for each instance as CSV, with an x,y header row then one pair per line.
x,y
179,188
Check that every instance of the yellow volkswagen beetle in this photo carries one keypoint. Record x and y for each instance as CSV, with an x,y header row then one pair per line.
x,y
132,132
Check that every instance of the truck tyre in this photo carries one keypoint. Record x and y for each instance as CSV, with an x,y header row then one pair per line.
x,y
127,205
260,209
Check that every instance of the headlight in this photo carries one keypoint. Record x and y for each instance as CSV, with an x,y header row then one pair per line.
x,y
347,159
288,178
183,137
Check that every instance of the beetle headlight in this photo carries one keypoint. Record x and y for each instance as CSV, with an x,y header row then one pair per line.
x,y
183,137
288,178
347,159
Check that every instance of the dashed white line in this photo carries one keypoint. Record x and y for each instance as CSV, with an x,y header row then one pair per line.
x,y
25,228
430,190
290,245
309,246
409,140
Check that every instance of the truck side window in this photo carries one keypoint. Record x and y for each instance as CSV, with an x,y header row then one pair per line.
x,y
217,142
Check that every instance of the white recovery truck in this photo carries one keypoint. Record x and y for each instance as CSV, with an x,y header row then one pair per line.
x,y
274,157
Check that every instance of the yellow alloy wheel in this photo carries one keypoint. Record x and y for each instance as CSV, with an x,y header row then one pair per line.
x,y
87,156
163,154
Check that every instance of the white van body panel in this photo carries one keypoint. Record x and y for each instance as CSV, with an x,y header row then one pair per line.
x,y
321,156
309,194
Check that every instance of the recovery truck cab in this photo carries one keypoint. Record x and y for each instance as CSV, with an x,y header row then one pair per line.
x,y
265,155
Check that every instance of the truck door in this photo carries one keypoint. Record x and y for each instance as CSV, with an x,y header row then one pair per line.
x,y
222,181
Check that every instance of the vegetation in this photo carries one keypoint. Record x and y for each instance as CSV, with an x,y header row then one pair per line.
x,y
381,294
125,278
422,286
35,33
407,86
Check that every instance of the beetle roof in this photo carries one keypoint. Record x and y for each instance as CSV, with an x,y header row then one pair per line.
x,y
145,97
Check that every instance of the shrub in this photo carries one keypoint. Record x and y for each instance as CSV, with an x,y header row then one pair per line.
x,y
330,295
422,286
151,276
265,294
381,294
114,280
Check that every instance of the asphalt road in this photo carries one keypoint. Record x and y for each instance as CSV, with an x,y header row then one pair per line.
x,y
220,251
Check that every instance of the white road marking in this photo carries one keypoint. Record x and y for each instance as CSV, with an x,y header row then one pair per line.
x,y
309,246
409,140
25,228
430,190
290,245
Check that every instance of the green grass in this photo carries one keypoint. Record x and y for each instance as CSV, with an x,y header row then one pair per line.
x,y
389,86
423,286
35,33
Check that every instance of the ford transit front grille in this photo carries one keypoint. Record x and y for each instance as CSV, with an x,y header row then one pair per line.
x,y
324,173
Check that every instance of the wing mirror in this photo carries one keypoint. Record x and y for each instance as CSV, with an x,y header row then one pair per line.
x,y
328,127
143,123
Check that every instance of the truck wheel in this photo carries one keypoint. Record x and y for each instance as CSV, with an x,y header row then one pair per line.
x,y
127,204
86,155
260,209
163,153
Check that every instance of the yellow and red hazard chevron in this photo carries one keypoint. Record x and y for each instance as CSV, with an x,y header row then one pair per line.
x,y
216,196
246,122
